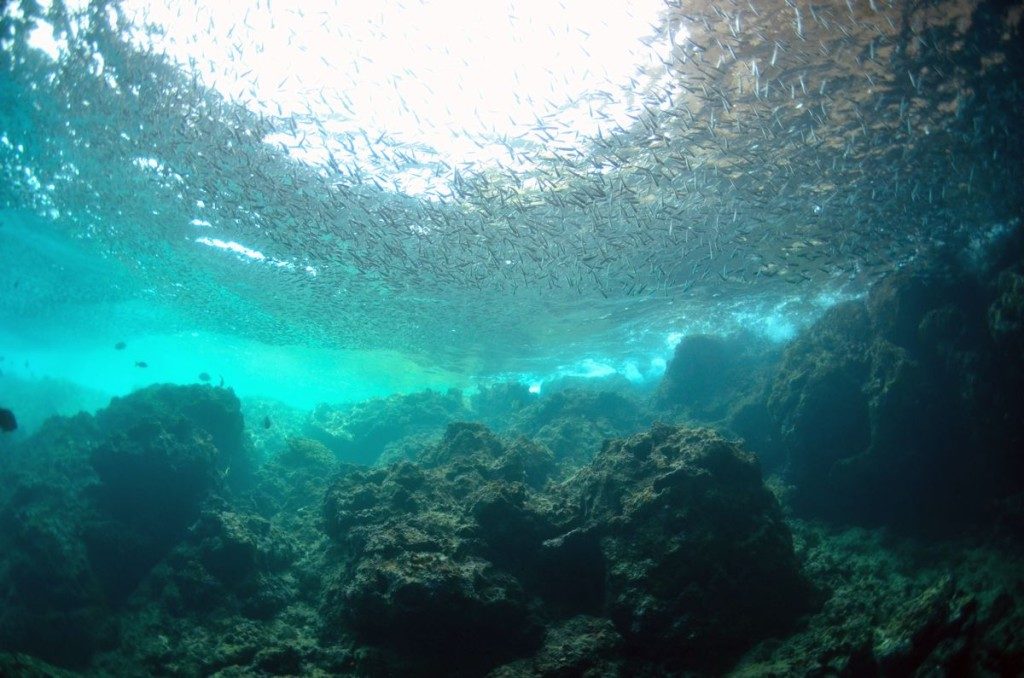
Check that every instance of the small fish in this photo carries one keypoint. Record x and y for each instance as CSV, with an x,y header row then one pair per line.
x,y
120,346
266,422
204,376
7,420
140,363
221,384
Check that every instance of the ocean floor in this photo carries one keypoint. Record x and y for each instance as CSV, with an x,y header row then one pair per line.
x,y
851,503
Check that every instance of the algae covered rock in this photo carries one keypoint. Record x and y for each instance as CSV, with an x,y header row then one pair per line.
x,y
617,410
495,404
1006,312
579,646
899,409
708,374
91,504
47,584
151,484
927,632
27,666
669,536
574,422
227,563
157,465
361,432
216,412
294,480
414,574
698,560
901,607
470,450
818,403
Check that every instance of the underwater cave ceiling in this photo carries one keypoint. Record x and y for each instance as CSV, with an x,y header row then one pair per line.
x,y
778,151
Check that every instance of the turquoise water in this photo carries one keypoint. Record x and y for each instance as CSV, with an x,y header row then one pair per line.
x,y
294,238
511,339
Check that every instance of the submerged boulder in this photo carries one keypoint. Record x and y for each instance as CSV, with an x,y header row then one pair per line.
x,y
699,563
709,374
667,546
166,449
47,585
495,404
216,412
151,485
415,573
362,432
574,422
94,503
904,409
580,646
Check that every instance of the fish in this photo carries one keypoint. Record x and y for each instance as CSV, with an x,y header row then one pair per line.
x,y
204,376
120,346
141,363
266,422
804,98
7,421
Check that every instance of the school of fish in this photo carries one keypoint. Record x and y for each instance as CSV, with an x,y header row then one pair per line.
x,y
780,150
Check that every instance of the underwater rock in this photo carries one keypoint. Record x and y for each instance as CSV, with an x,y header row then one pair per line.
x,y
573,423
699,562
708,374
467,443
7,421
412,577
890,408
697,371
471,452
670,534
615,410
289,493
227,562
575,441
234,547
47,586
720,381
817,402
580,646
285,423
898,302
927,632
215,411
294,479
360,433
238,594
93,503
429,553
152,482
750,421
495,404
26,666
888,614
866,425
1006,313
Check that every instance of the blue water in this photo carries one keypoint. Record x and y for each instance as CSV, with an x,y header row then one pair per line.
x,y
579,338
